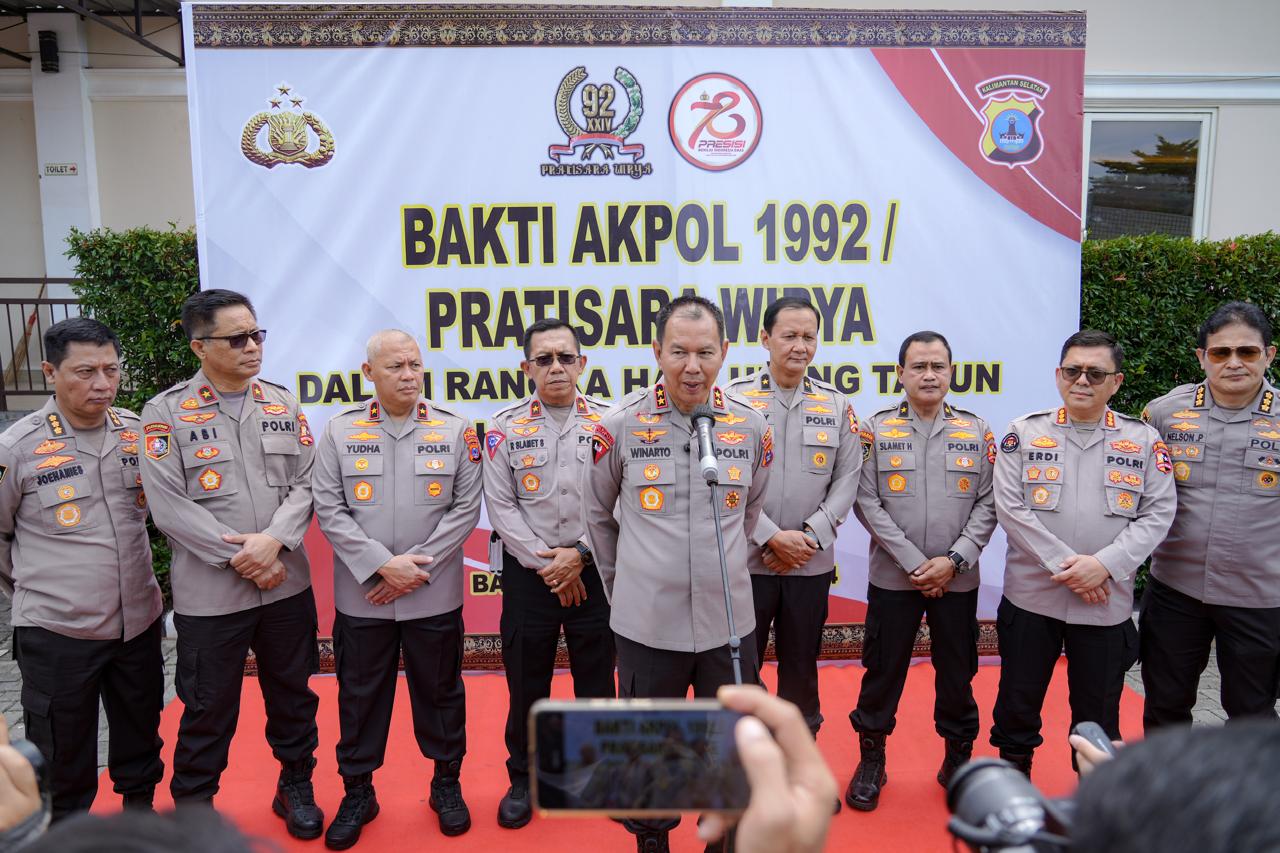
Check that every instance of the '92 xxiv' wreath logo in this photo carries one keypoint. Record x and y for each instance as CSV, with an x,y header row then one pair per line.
x,y
287,135
602,130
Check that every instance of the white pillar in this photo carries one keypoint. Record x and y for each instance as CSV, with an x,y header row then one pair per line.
x,y
64,135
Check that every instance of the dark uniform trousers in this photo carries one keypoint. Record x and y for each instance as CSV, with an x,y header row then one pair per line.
x,y
893,618
1177,631
530,625
1098,656
211,658
796,607
648,673
367,653
62,680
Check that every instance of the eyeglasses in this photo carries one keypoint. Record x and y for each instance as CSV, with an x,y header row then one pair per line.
x,y
565,358
1094,375
1217,355
238,341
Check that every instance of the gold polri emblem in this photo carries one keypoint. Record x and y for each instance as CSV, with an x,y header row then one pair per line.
x,y
48,446
1052,473
965,461
732,499
893,422
200,418
1181,471
646,418
1267,479
651,498
68,515
729,419
964,484
210,480
362,490
1132,480
362,464
961,434
897,483
66,492
1043,441
531,482
433,436
287,138
434,489
1115,477
1124,500
527,461
895,461
652,472
894,433
819,409
735,474
822,436
820,459
1040,496
1033,473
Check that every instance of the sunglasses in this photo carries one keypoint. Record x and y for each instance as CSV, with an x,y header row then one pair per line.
x,y
1217,355
564,358
1094,375
238,341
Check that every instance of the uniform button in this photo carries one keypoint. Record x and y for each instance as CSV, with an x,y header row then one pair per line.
x,y
564,491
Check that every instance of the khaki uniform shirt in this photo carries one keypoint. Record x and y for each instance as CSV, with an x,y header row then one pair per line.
x,y
815,473
533,477
382,490
1222,548
1107,492
647,515
211,469
926,490
74,553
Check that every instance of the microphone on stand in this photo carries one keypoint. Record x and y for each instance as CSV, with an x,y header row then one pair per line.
x,y
704,417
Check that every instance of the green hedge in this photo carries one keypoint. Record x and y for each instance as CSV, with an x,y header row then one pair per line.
x,y
1154,292
136,281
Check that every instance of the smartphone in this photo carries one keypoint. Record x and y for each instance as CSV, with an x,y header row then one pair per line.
x,y
635,757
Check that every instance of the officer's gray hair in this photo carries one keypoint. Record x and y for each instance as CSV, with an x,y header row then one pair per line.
x,y
377,339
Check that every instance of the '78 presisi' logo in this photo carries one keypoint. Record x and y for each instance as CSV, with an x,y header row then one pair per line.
x,y
715,122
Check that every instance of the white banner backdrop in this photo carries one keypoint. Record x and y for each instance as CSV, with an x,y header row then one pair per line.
x,y
353,173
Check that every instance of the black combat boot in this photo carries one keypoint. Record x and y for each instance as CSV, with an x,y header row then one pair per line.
x,y
652,841
1020,760
446,799
514,810
140,801
359,806
296,800
958,753
863,792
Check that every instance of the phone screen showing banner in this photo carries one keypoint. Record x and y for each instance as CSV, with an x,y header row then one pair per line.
x,y
462,171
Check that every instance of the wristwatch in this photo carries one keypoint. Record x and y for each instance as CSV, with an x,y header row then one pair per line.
x,y
962,565
587,560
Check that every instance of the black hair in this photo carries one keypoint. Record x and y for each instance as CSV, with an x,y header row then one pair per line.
x,y
786,303
922,337
1095,338
1244,313
548,324
1208,789
200,311
76,330
690,306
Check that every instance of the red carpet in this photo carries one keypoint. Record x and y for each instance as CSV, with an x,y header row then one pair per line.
x,y
912,814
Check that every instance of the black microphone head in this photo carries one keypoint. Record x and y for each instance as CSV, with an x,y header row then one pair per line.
x,y
703,412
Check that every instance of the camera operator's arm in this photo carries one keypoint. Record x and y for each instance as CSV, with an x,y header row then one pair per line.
x,y
791,786
22,813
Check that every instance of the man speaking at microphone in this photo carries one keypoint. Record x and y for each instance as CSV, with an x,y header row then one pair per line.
x,y
647,512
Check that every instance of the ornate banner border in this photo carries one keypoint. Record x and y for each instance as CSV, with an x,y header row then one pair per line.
x,y
291,25
841,642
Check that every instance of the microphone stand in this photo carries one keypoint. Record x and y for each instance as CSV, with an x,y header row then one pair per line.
x,y
735,642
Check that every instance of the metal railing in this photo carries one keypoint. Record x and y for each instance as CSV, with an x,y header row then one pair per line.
x,y
22,328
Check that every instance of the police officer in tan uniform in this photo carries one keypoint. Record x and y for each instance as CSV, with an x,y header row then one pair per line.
x,y
1084,494
811,489
75,559
1217,575
227,467
397,492
537,449
647,515
926,500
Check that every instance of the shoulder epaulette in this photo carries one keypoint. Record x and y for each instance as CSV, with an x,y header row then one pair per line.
x,y
20,430
510,407
262,381
126,414
1029,415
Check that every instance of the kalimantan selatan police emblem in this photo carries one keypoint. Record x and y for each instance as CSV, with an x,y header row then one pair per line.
x,y
1011,135
607,121
290,133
